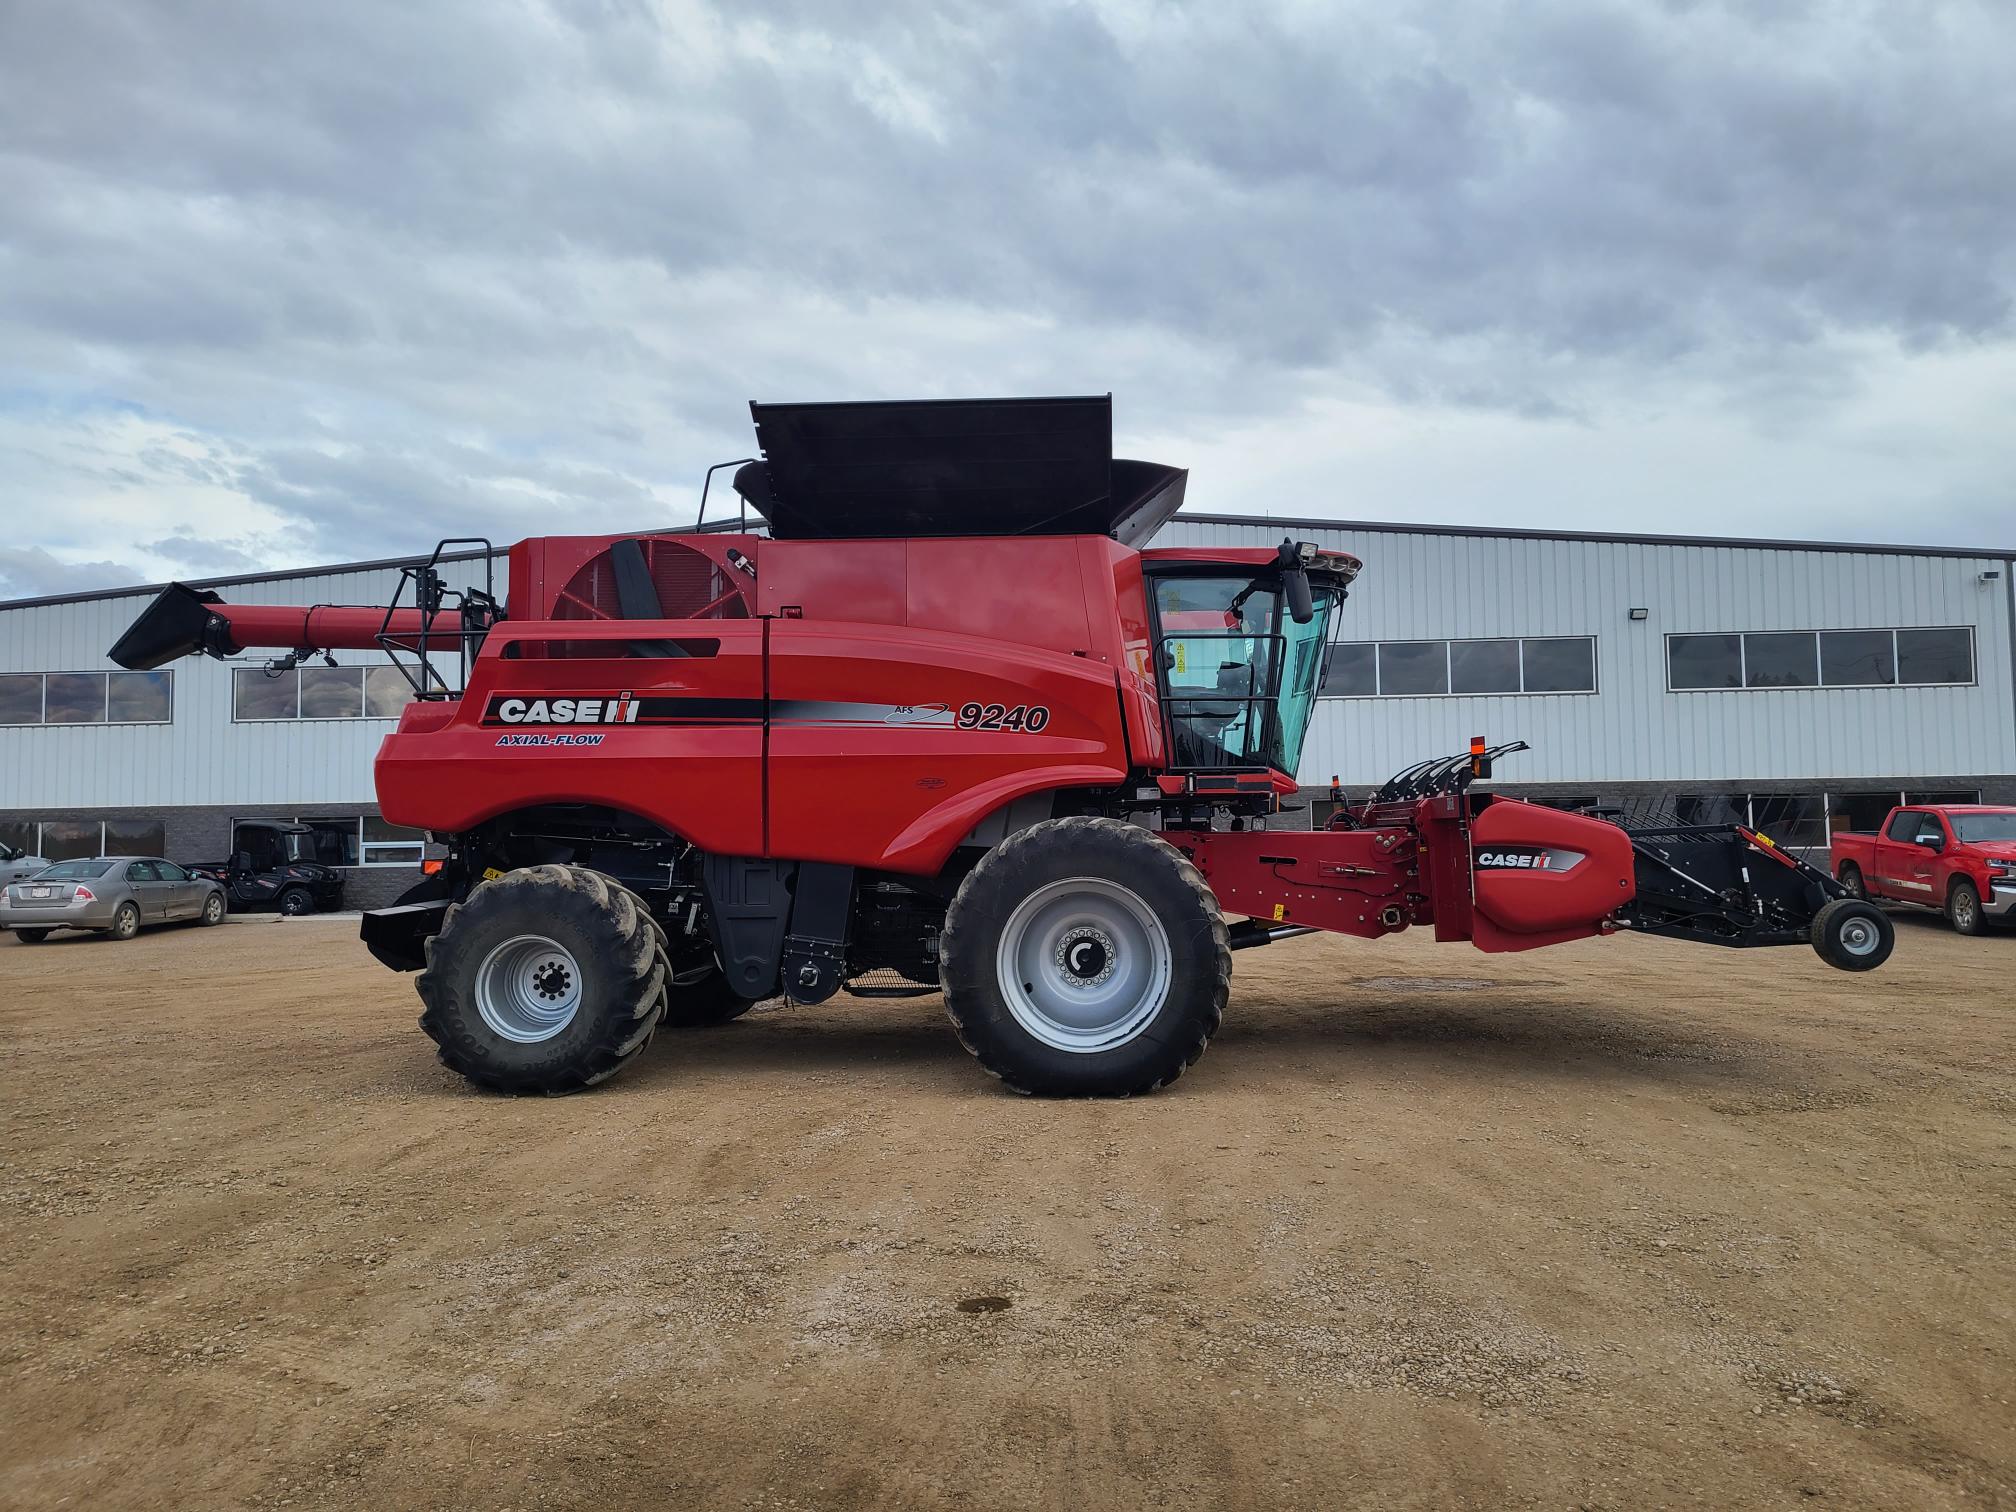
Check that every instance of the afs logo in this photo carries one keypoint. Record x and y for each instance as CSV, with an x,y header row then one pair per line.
x,y
621,708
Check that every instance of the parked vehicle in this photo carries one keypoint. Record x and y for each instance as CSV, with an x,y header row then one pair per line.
x,y
1958,859
274,866
115,895
16,866
947,728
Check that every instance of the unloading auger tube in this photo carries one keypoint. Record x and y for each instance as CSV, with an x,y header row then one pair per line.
x,y
1013,756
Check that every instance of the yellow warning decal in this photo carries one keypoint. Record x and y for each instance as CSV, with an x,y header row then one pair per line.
x,y
491,874
1182,657
1280,912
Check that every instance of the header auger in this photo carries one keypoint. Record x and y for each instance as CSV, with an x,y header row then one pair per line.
x,y
951,726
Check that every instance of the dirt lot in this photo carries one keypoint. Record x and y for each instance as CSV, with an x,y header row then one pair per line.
x,y
1617,1225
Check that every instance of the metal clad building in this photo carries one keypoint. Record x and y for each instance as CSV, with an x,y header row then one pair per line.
x,y
1931,635
1421,583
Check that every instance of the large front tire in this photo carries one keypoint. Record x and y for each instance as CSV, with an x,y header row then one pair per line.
x,y
1085,957
549,979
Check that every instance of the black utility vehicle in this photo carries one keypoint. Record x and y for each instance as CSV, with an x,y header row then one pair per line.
x,y
274,866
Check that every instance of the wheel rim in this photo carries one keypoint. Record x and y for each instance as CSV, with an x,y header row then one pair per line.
x,y
1083,964
1851,883
213,908
1963,910
1860,937
528,989
128,921
294,903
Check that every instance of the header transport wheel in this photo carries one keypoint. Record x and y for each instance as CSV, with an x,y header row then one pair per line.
x,y
549,980
1853,934
1085,957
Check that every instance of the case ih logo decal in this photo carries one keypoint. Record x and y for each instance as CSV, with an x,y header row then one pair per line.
x,y
1526,858
600,710
621,709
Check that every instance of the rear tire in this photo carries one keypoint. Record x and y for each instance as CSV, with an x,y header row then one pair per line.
x,y
1085,957
1851,880
125,922
296,901
549,979
1963,909
1853,934
31,936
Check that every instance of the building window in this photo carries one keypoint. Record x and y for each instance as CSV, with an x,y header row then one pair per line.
x,y
389,845
71,698
1858,658
332,692
1935,656
1820,659
1797,821
1412,667
361,840
1942,800
1350,671
1704,661
72,840
19,835
1484,666
1469,668
1781,661
318,693
386,692
1861,813
135,837
335,841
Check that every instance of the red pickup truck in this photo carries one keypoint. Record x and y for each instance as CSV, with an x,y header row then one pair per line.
x,y
1960,860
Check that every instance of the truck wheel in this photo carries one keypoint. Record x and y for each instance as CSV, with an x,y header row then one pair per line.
x,y
1963,908
1851,880
213,909
1853,934
1085,957
126,922
549,980
296,901
31,936
704,1004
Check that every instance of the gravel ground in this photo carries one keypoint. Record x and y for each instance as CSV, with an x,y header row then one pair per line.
x,y
1623,1224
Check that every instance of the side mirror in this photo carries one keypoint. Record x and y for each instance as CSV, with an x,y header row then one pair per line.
x,y
1301,607
1933,842
1295,584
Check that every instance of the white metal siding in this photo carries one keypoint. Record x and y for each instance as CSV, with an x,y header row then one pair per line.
x,y
1433,587
1415,586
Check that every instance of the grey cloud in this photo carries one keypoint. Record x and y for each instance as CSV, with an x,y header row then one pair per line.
x,y
30,572
478,268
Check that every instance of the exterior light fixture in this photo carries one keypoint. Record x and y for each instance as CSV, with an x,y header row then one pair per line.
x,y
1639,614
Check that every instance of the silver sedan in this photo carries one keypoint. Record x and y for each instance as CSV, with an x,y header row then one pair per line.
x,y
113,895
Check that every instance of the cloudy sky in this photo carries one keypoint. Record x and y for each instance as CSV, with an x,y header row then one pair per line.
x,y
288,283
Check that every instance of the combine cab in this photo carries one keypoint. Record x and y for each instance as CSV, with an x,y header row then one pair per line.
x,y
947,726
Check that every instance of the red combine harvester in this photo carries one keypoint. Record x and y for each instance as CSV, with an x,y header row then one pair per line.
x,y
946,727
